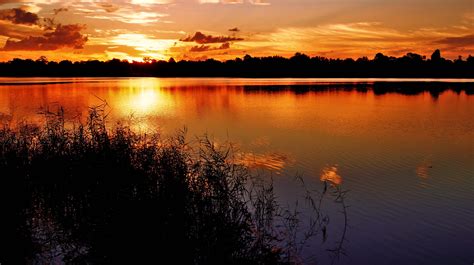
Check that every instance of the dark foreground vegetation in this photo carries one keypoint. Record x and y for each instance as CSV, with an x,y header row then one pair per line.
x,y
87,194
300,65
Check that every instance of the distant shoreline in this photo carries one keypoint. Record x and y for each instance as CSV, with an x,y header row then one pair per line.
x,y
378,86
300,65
470,78
299,81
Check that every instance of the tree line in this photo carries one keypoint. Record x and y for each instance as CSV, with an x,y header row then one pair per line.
x,y
300,65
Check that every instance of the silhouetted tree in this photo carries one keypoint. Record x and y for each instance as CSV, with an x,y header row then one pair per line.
x,y
380,58
436,56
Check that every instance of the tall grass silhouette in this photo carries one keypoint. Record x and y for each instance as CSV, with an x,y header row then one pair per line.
x,y
89,194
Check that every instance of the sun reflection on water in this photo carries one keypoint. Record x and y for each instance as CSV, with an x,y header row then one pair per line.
x,y
145,101
146,97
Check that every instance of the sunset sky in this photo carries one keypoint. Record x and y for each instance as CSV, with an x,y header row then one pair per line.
x,y
224,29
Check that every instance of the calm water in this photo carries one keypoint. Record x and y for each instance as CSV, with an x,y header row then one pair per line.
x,y
404,150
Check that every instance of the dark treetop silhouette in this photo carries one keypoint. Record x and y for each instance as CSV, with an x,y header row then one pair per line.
x,y
300,65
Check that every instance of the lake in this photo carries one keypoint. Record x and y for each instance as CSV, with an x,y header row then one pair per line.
x,y
403,149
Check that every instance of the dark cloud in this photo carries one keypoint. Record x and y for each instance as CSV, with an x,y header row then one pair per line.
x,y
17,32
234,30
224,46
67,36
59,10
19,16
110,8
54,36
462,41
49,23
205,48
202,48
201,38
9,1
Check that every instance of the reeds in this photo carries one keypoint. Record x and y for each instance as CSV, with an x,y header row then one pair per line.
x,y
93,195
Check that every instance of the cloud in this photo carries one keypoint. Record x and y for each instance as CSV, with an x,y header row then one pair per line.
x,y
205,48
49,23
7,1
148,2
67,36
234,29
201,48
17,31
462,41
108,7
130,17
259,2
201,38
360,39
59,10
253,2
129,14
133,2
142,44
224,46
221,1
19,16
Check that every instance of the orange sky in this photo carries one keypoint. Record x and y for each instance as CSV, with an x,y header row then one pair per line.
x,y
222,29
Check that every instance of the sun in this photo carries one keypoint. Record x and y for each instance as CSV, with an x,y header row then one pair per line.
x,y
146,46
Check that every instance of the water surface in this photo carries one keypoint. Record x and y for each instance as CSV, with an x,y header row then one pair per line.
x,y
403,148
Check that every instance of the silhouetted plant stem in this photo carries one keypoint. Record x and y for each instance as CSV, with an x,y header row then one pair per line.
x,y
88,193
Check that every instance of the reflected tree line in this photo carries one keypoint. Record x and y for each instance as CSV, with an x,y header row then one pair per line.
x,y
299,65
435,89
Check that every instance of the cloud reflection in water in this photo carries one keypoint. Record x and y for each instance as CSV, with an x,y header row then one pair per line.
x,y
330,175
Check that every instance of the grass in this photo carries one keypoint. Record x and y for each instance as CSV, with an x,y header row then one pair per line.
x,y
89,194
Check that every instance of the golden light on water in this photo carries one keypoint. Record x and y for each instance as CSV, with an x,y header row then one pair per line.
x,y
145,97
275,162
145,101
330,175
